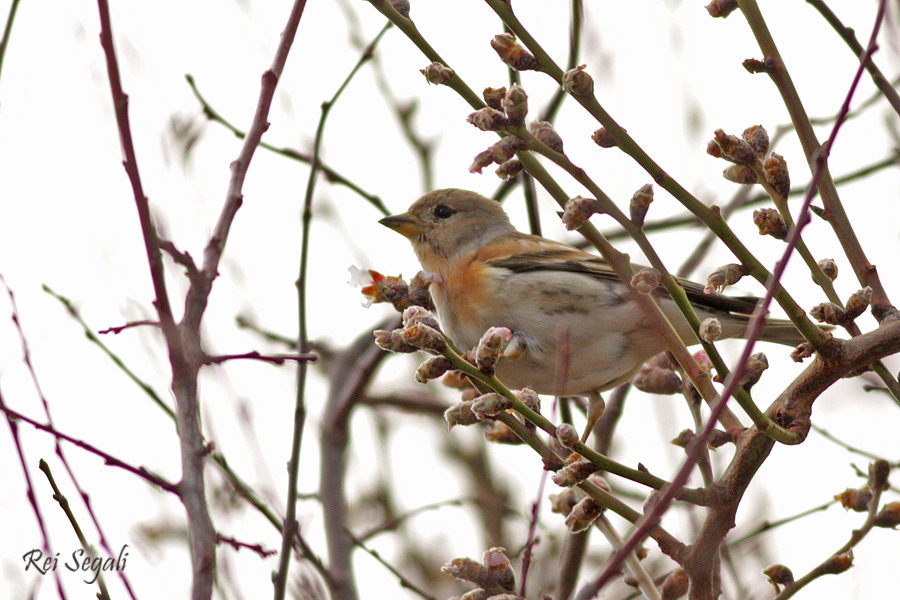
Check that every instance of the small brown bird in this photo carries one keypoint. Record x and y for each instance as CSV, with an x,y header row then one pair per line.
x,y
581,330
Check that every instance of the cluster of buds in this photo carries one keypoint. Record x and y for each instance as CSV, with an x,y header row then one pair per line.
x,y
770,222
502,153
488,406
420,331
512,54
576,470
437,73
832,314
724,276
494,574
504,110
721,8
578,210
716,439
748,153
733,148
385,288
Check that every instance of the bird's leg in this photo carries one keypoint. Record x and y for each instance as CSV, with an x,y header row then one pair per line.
x,y
595,409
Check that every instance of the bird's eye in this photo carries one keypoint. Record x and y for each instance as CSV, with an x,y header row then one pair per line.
x,y
442,211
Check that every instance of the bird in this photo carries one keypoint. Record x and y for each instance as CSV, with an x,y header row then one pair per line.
x,y
582,331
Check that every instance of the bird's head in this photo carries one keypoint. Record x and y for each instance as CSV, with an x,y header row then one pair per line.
x,y
450,223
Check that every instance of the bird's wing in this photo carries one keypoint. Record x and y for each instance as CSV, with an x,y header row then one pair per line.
x,y
521,253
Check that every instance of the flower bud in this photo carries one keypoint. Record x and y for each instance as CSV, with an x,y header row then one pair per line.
x,y
544,132
758,138
460,413
776,172
855,499
770,222
515,103
512,54
500,433
889,516
756,364
418,289
803,351
779,575
878,474
509,169
432,368
567,435
828,312
754,65
675,585
506,148
424,337
417,314
829,267
437,73
488,119
739,174
859,302
724,276
391,341
734,148
481,160
713,149
640,203
574,473
645,281
495,574
838,563
583,515
710,329
721,8
529,398
490,405
563,502
493,97
515,349
578,82
487,352
657,380
578,210
603,138
684,438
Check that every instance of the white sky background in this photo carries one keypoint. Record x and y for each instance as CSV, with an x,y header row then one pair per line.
x,y
67,219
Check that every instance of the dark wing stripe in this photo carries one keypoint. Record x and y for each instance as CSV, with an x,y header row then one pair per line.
x,y
597,268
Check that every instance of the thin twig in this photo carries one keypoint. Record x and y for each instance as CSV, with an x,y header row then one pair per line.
x,y
302,336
